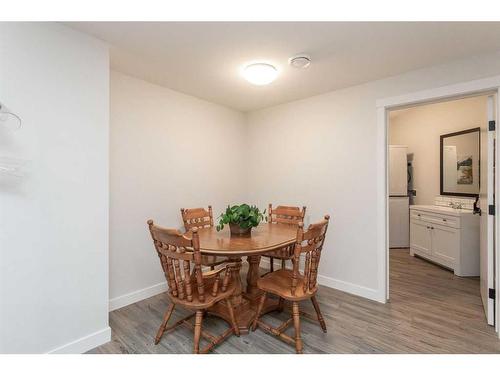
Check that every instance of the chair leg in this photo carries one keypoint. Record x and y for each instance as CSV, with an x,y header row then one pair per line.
x,y
259,310
197,331
283,264
231,315
166,317
318,312
271,261
296,324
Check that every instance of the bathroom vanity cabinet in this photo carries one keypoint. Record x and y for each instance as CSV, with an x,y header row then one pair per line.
x,y
446,236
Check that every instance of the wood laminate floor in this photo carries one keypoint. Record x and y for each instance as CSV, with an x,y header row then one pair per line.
x,y
430,311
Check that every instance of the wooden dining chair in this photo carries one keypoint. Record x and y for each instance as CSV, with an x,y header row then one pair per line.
x,y
285,215
189,286
294,286
201,218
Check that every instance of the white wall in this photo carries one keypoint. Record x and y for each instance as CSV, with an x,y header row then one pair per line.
x,y
321,152
420,129
168,150
54,221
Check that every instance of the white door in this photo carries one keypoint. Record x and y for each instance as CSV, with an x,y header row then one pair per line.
x,y
398,170
445,244
487,231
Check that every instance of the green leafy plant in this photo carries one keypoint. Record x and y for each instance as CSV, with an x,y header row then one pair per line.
x,y
244,215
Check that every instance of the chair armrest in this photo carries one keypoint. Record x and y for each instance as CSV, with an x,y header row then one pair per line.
x,y
213,273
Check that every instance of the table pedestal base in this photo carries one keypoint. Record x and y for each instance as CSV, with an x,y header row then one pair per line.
x,y
245,304
245,312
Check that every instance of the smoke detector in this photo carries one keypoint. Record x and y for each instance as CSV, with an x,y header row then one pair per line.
x,y
301,61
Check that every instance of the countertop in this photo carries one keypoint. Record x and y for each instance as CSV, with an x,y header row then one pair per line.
x,y
441,209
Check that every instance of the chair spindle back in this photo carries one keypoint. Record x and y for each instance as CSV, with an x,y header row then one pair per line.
x,y
197,217
180,259
310,243
285,214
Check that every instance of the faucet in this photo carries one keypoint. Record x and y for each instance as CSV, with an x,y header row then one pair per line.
x,y
456,206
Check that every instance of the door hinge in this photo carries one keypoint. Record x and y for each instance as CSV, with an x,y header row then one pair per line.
x,y
491,209
491,125
491,293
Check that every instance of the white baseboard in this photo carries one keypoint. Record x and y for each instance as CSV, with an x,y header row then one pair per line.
x,y
84,344
351,288
344,286
138,295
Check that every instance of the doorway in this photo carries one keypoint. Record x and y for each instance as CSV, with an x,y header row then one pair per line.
x,y
473,91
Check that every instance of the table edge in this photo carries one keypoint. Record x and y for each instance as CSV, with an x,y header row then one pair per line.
x,y
262,250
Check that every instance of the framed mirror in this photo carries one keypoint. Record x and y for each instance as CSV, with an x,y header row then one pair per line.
x,y
460,161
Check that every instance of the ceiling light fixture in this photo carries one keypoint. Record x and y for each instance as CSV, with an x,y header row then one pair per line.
x,y
260,73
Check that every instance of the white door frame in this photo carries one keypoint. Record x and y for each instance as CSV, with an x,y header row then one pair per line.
x,y
476,87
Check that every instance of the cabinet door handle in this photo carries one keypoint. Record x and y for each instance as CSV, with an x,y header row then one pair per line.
x,y
432,227
444,219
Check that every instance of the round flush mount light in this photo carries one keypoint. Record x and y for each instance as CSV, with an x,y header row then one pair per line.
x,y
300,61
260,73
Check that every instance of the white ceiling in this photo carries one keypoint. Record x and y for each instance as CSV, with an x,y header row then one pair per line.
x,y
204,59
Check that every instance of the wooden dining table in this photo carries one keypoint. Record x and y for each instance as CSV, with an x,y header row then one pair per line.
x,y
263,238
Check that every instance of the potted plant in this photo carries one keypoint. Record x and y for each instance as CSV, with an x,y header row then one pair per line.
x,y
241,219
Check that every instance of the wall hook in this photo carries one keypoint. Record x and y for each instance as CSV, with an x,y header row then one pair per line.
x,y
8,119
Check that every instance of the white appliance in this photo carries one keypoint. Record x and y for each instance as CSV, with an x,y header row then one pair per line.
x,y
399,201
